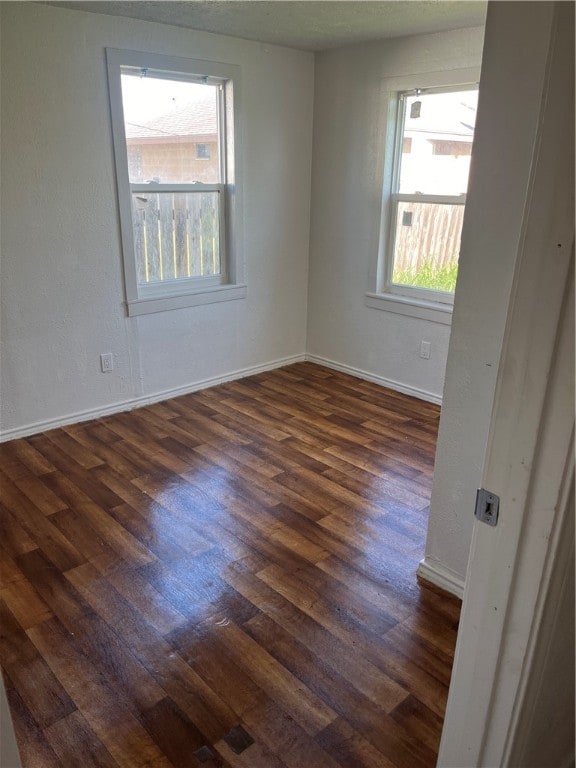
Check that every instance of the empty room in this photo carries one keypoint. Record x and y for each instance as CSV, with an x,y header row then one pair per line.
x,y
286,405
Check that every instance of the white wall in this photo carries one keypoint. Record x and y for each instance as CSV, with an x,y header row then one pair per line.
x,y
62,294
350,118
512,87
545,733
9,755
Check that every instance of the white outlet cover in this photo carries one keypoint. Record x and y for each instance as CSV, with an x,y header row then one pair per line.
x,y
107,362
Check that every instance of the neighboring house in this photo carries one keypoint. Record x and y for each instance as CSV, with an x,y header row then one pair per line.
x,y
184,139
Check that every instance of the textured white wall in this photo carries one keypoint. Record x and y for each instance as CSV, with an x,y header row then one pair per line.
x,y
62,294
512,88
350,117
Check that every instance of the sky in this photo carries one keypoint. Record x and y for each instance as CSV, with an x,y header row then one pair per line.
x,y
144,98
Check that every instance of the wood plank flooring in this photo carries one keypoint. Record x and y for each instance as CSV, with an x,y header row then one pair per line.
x,y
241,556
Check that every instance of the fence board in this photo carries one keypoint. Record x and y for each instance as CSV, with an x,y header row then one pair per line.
x,y
176,235
433,236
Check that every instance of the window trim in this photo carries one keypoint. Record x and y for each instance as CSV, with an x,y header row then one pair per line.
x,y
188,292
439,297
418,302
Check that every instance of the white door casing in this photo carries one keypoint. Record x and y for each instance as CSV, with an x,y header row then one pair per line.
x,y
529,457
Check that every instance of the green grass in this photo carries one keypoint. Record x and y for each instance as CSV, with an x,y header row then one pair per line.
x,y
428,276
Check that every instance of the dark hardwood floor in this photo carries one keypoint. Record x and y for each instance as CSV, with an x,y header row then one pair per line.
x,y
241,556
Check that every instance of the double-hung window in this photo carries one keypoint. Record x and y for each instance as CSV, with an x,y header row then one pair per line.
x,y
175,146
434,135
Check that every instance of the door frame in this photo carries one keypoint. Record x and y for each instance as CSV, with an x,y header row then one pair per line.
x,y
529,459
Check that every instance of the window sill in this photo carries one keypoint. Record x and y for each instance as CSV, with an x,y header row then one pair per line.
x,y
435,312
211,295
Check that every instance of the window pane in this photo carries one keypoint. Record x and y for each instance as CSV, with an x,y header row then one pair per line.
x,y
176,235
427,245
437,142
165,122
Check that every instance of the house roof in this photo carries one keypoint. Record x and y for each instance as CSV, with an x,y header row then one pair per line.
x,y
449,115
191,119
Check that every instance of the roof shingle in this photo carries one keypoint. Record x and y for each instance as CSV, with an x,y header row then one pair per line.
x,y
191,119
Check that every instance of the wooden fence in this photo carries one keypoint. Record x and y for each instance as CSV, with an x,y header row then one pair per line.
x,y
176,235
432,235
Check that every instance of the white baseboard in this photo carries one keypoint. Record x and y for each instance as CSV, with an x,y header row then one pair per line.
x,y
421,394
441,577
139,402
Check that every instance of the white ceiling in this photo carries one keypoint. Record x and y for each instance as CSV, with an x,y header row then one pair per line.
x,y
305,24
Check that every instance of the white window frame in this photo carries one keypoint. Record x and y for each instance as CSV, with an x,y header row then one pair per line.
x,y
193,291
435,306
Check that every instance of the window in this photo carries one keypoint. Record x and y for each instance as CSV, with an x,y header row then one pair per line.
x,y
175,144
434,134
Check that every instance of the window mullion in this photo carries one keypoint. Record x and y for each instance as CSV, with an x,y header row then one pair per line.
x,y
174,187
425,198
394,192
389,264
222,133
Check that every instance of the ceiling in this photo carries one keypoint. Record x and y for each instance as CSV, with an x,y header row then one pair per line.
x,y
308,25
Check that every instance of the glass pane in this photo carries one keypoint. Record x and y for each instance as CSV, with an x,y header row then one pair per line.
x,y
171,129
176,235
427,245
437,142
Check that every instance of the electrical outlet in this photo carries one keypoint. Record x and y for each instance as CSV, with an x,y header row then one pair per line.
x,y
107,362
425,350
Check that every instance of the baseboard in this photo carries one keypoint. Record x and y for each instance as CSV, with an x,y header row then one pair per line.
x,y
156,397
139,402
441,577
406,389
